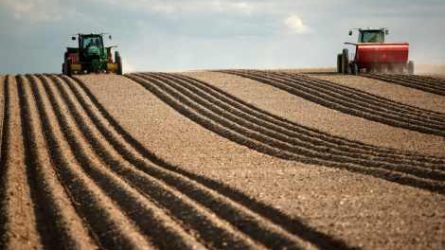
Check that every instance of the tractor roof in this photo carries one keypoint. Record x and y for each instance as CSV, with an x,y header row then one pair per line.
x,y
91,34
373,29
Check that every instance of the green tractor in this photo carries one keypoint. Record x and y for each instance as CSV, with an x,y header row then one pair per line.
x,y
91,56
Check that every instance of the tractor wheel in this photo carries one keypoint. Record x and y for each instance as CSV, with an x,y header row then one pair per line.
x,y
119,63
340,63
345,60
410,67
354,68
67,68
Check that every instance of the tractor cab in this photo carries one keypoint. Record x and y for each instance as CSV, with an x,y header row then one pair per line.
x,y
372,35
91,46
86,41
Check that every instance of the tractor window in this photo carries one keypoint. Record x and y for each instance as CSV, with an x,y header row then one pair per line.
x,y
372,37
92,41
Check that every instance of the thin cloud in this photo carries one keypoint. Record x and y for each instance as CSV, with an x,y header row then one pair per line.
x,y
240,7
35,10
186,7
296,25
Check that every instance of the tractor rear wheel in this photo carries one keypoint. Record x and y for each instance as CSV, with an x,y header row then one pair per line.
x,y
67,68
340,63
345,61
118,62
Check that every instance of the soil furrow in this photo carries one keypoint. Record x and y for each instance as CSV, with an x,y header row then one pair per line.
x,y
436,81
18,226
58,224
184,181
206,118
359,99
248,224
394,92
290,136
307,133
347,107
111,227
266,144
355,98
156,226
413,82
366,98
296,147
296,143
199,222
5,119
420,80
343,102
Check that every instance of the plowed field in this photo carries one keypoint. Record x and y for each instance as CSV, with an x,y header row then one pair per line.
x,y
238,159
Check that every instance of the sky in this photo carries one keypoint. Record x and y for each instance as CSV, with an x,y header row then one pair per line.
x,y
174,35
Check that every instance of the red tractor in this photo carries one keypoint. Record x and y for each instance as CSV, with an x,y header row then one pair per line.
x,y
372,54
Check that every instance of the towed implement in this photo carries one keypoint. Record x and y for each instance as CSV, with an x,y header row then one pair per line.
x,y
374,55
91,56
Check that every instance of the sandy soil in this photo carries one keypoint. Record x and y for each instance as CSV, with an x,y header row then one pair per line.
x,y
18,221
362,210
316,116
107,162
390,91
428,69
2,104
62,215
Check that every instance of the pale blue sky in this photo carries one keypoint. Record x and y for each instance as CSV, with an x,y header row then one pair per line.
x,y
158,35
